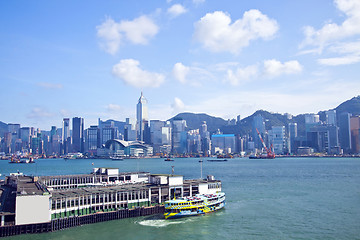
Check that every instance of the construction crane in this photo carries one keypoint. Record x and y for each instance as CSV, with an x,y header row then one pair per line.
x,y
270,154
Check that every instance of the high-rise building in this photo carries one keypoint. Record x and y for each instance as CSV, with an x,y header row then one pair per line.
x,y
193,141
78,134
179,136
141,117
25,135
355,134
205,139
292,136
93,139
65,136
344,131
130,130
331,117
223,143
277,138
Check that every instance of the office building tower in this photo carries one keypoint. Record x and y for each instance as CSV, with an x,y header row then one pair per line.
x,y
93,140
277,139
323,138
344,131
355,134
25,135
141,117
331,117
292,136
193,141
178,136
222,143
14,129
78,134
205,139
130,130
65,136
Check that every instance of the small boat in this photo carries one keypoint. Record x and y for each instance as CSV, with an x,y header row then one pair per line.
x,y
169,160
193,206
22,160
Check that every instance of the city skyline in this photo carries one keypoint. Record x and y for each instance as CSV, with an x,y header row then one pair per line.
x,y
224,59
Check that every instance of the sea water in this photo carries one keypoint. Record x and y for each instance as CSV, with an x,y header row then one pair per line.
x,y
285,198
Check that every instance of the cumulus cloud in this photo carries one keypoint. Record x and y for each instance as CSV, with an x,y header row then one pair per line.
x,y
138,31
129,71
38,113
274,68
332,37
176,10
331,32
216,32
48,85
178,105
241,74
180,72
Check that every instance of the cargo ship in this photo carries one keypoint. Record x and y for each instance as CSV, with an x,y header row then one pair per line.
x,y
193,206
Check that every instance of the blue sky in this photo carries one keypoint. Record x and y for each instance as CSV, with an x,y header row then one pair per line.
x,y
92,59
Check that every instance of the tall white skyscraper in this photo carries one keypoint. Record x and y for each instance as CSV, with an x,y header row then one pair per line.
x,y
141,117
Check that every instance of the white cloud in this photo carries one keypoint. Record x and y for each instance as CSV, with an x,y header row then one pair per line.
x,y
48,85
241,74
216,32
180,72
113,107
178,105
129,71
350,51
332,37
274,68
331,32
339,60
138,31
38,113
176,10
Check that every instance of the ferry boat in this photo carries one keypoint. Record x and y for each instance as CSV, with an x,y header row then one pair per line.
x,y
193,206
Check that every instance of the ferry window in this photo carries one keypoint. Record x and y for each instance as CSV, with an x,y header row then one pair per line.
x,y
127,178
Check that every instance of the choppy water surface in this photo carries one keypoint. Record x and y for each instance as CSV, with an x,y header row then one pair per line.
x,y
312,198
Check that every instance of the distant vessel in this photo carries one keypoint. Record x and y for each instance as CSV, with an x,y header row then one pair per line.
x,y
217,160
116,157
22,160
169,160
193,206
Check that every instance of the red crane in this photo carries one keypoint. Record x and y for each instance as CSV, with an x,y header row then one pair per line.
x,y
270,154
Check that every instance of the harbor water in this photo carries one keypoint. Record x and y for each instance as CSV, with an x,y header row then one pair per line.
x,y
285,198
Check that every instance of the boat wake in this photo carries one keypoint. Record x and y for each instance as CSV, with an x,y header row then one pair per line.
x,y
158,223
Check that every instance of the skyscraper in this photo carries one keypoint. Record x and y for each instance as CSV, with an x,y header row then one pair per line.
x,y
344,131
331,117
78,134
141,117
66,139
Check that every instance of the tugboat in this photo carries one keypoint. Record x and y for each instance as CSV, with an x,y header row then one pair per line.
x,y
193,206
